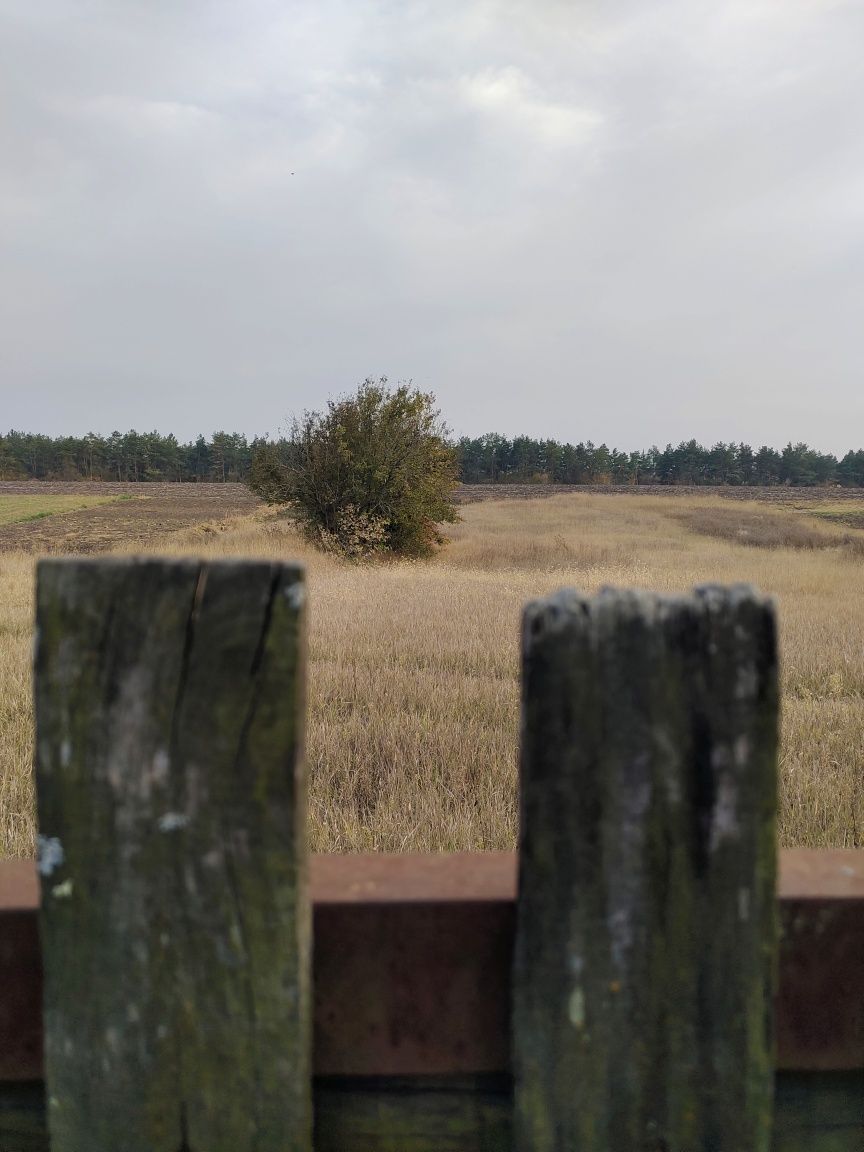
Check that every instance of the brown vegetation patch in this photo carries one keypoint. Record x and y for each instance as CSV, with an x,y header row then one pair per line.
x,y
780,495
765,529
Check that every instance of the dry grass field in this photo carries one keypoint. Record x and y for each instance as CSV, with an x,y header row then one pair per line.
x,y
413,711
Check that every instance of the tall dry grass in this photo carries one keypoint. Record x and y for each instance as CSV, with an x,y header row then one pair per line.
x,y
16,737
413,710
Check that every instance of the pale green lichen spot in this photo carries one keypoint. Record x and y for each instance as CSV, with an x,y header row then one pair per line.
x,y
576,1007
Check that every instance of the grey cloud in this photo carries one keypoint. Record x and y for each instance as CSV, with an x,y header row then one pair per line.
x,y
634,224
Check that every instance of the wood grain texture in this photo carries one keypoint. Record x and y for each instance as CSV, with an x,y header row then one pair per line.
x,y
646,920
174,913
821,1112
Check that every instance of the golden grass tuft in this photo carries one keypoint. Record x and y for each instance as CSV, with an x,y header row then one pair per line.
x,y
414,694
16,737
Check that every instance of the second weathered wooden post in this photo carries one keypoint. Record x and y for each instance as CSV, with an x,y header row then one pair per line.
x,y
646,944
175,919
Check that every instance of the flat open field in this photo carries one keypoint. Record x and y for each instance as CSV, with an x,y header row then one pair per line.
x,y
413,695
780,496
24,509
98,516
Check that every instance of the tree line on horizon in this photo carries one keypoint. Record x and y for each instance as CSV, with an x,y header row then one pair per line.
x,y
491,459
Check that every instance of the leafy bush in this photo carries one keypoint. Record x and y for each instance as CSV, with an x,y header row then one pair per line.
x,y
373,473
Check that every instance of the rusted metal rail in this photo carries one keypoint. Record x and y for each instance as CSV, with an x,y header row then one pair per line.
x,y
412,962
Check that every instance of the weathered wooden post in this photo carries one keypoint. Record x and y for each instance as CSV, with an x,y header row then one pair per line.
x,y
171,793
646,946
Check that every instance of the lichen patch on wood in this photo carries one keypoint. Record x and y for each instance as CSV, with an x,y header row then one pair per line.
x,y
646,940
175,918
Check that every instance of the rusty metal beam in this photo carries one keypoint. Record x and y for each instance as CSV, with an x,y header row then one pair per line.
x,y
412,964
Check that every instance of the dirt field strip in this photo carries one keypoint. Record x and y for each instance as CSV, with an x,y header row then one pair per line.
x,y
97,517
108,515
23,509
781,495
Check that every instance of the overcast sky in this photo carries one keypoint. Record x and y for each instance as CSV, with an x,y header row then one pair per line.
x,y
633,222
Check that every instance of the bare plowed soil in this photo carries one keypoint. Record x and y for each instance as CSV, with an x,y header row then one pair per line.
x,y
788,497
145,512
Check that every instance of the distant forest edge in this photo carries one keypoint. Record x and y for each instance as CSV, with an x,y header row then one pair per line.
x,y
491,459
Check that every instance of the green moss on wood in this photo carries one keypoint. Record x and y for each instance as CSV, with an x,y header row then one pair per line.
x,y
169,709
647,857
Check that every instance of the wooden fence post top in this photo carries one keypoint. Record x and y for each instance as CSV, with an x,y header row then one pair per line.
x,y
555,611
